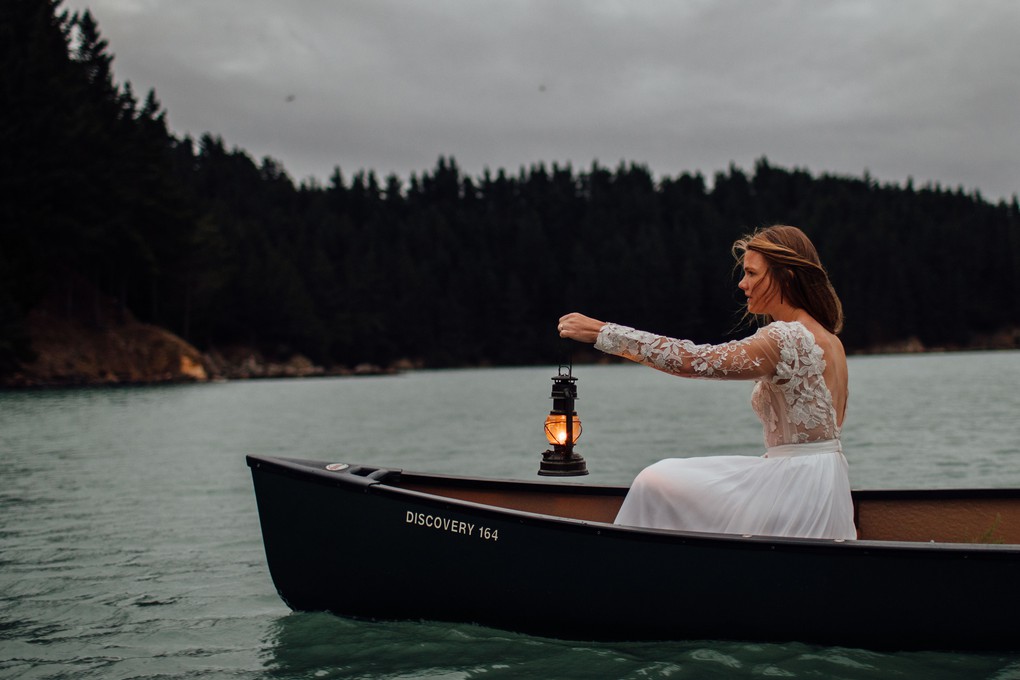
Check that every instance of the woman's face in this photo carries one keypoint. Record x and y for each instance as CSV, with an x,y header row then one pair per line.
x,y
757,283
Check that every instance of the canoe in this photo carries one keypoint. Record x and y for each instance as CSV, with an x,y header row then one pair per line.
x,y
932,569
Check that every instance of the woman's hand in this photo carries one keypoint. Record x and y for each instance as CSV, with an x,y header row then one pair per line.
x,y
579,327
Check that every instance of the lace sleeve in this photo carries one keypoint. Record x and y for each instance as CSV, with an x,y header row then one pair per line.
x,y
748,359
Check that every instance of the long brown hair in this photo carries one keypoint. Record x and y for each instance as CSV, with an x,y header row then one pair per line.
x,y
794,266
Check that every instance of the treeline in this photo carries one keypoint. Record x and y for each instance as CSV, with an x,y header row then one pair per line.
x,y
443,268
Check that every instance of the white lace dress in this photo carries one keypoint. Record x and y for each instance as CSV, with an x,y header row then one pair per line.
x,y
800,487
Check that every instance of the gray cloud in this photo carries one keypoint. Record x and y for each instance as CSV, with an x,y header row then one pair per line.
x,y
921,88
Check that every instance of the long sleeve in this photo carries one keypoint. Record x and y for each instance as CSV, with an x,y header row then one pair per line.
x,y
752,358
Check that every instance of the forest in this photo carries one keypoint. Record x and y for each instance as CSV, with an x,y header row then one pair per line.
x,y
440,268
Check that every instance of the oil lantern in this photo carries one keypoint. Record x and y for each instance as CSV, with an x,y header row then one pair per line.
x,y
562,428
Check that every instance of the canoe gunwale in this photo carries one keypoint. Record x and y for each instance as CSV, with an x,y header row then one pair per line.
x,y
384,481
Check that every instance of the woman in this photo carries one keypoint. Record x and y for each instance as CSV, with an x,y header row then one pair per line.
x,y
800,487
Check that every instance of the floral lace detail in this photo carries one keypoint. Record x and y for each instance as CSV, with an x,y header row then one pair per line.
x,y
679,357
790,396
794,404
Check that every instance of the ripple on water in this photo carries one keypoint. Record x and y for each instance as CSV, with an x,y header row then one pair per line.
x,y
304,645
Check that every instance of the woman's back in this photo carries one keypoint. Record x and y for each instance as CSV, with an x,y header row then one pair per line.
x,y
796,401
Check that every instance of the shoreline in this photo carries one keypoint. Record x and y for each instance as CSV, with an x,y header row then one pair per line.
x,y
126,352
299,367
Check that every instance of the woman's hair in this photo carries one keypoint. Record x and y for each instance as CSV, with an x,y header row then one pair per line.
x,y
794,266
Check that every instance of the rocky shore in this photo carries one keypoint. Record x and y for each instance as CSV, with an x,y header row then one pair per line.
x,y
123,351
1005,339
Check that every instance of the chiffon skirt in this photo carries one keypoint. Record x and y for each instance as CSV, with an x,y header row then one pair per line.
x,y
800,490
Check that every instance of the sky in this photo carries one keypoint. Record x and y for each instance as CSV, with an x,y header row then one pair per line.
x,y
921,89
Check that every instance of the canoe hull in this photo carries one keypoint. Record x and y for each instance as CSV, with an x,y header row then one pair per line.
x,y
355,546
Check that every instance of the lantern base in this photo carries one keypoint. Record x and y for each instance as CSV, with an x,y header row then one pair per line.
x,y
562,464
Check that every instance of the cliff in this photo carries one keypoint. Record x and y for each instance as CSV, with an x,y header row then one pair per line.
x,y
70,351
86,338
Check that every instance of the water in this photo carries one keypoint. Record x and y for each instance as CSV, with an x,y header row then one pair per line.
x,y
130,545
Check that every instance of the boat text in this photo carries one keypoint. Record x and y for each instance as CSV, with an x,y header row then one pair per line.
x,y
453,526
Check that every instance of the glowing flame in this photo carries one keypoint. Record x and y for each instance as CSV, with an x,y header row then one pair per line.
x,y
556,429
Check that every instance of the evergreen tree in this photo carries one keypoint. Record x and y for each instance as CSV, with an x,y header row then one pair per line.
x,y
445,269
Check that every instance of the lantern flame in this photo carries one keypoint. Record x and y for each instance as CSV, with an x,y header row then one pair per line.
x,y
556,429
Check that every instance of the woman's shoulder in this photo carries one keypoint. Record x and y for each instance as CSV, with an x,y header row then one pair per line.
x,y
800,337
796,339
786,331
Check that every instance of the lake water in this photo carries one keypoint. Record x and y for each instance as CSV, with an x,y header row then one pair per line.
x,y
130,543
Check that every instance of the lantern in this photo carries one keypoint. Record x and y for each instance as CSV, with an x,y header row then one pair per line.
x,y
562,428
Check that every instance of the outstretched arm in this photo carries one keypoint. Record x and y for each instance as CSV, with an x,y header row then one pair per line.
x,y
748,359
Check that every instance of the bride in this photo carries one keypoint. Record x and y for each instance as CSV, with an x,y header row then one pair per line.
x,y
800,486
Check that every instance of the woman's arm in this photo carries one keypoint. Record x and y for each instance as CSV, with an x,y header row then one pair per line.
x,y
748,359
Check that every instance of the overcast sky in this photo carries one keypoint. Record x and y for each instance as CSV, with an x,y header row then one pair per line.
x,y
928,89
